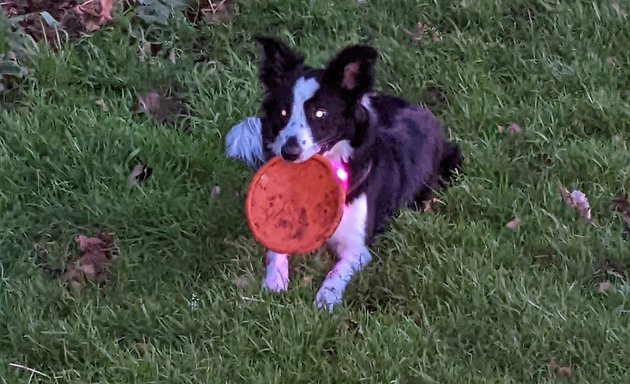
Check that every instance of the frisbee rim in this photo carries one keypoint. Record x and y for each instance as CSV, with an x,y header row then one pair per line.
x,y
302,247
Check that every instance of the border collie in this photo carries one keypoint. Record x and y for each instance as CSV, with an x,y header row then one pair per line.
x,y
395,153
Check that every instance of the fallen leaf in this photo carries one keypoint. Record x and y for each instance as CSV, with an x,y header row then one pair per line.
x,y
144,349
578,202
613,61
215,191
604,286
165,110
511,129
93,263
43,20
242,281
422,31
139,174
427,205
95,13
101,103
622,207
514,129
555,370
353,326
307,281
193,303
172,56
513,224
212,11
434,98
608,272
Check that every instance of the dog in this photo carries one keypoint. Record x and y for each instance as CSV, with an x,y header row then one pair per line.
x,y
395,153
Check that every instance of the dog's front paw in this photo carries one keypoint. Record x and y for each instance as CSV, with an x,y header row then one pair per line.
x,y
276,283
277,272
327,298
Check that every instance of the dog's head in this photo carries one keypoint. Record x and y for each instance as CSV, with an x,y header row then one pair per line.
x,y
308,111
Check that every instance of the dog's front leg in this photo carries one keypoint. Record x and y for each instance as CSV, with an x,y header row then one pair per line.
x,y
353,255
277,272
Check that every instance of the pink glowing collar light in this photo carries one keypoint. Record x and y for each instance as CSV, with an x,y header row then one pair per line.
x,y
341,173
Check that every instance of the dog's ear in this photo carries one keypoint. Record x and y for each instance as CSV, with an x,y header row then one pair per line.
x,y
352,70
277,60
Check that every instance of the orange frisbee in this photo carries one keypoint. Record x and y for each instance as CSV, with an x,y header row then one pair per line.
x,y
293,208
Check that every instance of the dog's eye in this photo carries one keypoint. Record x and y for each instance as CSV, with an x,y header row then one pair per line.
x,y
320,113
284,113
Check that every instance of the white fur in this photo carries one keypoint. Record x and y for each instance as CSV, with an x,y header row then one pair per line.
x,y
348,241
277,273
244,141
297,126
342,151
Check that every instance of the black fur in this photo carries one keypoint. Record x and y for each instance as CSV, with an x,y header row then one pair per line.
x,y
400,154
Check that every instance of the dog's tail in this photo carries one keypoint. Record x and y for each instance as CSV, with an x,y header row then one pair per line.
x,y
451,163
244,142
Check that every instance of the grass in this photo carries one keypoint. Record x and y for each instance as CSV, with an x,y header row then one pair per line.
x,y
450,298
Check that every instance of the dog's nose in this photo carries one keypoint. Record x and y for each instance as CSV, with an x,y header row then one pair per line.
x,y
291,149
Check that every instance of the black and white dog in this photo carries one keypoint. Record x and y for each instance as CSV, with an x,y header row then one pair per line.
x,y
395,153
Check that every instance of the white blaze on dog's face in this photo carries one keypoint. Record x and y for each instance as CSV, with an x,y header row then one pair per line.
x,y
295,142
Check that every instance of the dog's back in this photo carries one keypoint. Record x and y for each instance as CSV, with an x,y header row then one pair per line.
x,y
408,156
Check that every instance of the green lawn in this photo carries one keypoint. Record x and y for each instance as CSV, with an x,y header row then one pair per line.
x,y
451,297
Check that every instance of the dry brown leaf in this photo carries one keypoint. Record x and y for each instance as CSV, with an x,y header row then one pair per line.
x,y
101,103
511,129
93,263
140,173
307,281
578,202
242,281
604,286
353,326
212,11
427,205
172,56
613,61
621,205
95,13
165,110
607,272
556,370
513,224
514,129
215,191
422,31
144,349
